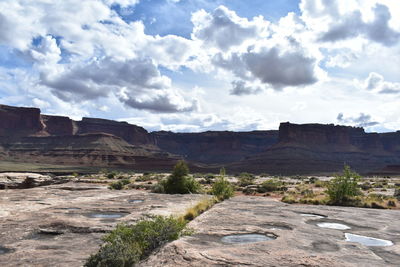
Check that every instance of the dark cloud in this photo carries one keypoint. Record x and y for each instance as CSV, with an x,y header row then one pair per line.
x,y
270,66
241,88
363,120
137,82
352,25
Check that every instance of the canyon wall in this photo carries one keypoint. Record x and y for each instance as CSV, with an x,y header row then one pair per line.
x,y
26,135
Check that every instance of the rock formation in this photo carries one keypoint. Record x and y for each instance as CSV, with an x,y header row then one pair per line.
x,y
28,136
215,147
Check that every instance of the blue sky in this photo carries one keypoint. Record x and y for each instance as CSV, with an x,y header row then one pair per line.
x,y
196,65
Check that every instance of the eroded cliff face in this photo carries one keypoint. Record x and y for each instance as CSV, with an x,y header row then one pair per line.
x,y
318,148
131,133
215,147
15,121
25,135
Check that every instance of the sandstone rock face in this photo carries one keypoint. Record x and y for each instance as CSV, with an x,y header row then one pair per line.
x,y
316,148
215,147
19,121
58,125
27,136
96,149
132,134
61,225
299,240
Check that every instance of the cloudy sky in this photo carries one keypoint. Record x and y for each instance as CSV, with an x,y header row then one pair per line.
x,y
195,65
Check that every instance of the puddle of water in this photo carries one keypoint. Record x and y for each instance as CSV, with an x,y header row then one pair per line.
x,y
69,208
368,241
337,226
106,215
245,238
312,215
135,200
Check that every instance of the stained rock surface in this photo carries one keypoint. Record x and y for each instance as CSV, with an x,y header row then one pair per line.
x,y
61,225
12,180
299,241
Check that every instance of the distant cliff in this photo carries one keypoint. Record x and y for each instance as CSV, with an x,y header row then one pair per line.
x,y
215,147
318,148
28,136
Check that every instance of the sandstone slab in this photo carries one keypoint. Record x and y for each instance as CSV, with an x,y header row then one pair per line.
x,y
299,241
61,225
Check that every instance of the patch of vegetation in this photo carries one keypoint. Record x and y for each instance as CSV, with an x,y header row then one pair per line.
x,y
199,208
118,185
128,244
246,179
271,185
179,182
222,188
344,187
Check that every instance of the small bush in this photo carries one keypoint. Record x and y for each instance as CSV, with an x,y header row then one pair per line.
x,y
111,175
128,244
270,185
343,188
118,185
179,182
246,179
391,203
222,189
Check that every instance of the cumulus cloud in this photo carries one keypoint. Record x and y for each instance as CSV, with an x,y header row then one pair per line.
x,y
272,67
138,83
363,120
353,25
223,29
376,82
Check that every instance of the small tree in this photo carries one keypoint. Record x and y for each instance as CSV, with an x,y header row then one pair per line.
x,y
179,181
344,187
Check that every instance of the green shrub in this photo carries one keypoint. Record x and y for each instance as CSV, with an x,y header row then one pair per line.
x,y
118,185
343,188
246,179
222,189
128,244
270,185
179,182
111,175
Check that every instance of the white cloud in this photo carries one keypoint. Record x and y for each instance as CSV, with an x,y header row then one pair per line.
x,y
376,82
224,29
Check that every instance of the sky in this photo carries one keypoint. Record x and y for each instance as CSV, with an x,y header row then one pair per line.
x,y
198,65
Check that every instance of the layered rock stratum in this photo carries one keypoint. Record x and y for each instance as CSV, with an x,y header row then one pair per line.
x,y
26,135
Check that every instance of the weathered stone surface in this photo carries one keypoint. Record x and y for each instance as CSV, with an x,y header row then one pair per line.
x,y
299,242
12,180
61,225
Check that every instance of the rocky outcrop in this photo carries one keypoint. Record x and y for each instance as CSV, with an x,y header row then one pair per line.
x,y
317,148
12,180
58,125
15,121
25,135
299,241
215,147
132,134
96,149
